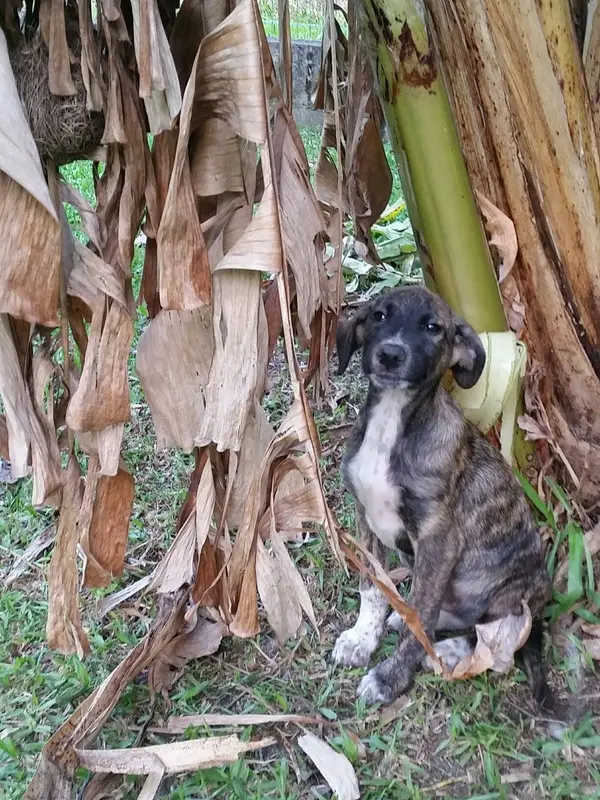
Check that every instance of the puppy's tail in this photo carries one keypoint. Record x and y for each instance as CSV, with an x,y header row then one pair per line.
x,y
532,656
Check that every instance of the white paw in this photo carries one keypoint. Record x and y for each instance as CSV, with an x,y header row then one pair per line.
x,y
355,647
394,621
450,652
371,690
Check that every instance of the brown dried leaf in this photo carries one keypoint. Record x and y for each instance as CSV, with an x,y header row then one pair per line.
x,y
59,66
503,235
176,568
216,165
281,588
170,759
22,563
173,360
304,233
92,225
63,628
30,236
159,84
92,275
27,432
102,397
334,767
183,269
109,527
281,605
181,724
201,638
91,71
497,642
534,430
59,759
257,436
234,370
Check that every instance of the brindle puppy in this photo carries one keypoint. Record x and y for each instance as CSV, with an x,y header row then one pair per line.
x,y
428,484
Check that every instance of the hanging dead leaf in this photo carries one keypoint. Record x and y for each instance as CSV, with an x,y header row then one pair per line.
x,y
109,527
334,767
30,233
159,84
304,233
102,397
63,628
27,433
91,277
173,361
92,225
59,67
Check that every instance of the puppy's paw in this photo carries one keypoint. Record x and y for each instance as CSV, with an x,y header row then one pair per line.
x,y
394,622
384,683
355,647
372,689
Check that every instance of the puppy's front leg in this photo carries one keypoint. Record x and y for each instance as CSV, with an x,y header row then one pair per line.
x,y
435,561
355,646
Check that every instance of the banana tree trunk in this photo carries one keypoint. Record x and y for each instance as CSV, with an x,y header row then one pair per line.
x,y
527,132
444,214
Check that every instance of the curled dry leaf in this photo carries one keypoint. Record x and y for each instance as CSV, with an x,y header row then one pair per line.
x,y
173,362
92,225
91,276
534,430
102,396
334,767
30,235
497,642
503,235
63,628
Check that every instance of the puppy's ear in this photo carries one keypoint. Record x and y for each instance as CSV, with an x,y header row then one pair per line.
x,y
350,335
468,356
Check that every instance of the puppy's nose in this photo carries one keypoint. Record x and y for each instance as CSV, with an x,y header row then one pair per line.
x,y
391,355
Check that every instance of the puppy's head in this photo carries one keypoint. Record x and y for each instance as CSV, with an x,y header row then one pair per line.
x,y
409,338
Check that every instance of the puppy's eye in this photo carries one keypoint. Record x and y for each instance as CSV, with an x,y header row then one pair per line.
x,y
378,316
433,327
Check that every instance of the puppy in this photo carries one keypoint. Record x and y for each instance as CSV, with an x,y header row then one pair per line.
x,y
429,485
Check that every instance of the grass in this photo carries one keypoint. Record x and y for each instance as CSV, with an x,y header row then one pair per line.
x,y
477,739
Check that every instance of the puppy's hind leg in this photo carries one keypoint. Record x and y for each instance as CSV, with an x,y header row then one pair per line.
x,y
355,646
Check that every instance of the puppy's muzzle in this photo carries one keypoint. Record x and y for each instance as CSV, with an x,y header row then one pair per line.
x,y
389,362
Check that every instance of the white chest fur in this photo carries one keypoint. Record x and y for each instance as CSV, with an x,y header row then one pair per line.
x,y
369,470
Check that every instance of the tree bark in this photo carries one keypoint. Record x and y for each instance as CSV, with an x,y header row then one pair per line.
x,y
527,132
